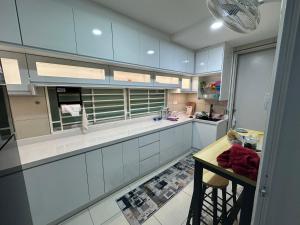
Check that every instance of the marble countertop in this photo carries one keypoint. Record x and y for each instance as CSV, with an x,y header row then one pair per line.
x,y
49,148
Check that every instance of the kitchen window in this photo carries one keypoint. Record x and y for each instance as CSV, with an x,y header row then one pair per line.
x,y
104,105
167,80
143,102
186,83
68,71
131,77
101,105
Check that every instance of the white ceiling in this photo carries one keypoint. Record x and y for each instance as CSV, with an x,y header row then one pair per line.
x,y
188,21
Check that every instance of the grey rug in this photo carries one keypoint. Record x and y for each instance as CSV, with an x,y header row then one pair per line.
x,y
139,204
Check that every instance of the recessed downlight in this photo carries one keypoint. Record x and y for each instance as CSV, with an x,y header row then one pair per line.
x,y
216,25
97,32
150,52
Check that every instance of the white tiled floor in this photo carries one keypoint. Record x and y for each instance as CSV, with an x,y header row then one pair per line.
x,y
107,212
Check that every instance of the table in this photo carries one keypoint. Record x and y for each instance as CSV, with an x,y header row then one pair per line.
x,y
207,159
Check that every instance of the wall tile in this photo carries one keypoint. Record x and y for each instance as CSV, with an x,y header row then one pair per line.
x,y
30,114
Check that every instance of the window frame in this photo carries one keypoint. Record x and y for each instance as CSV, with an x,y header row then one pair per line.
x,y
35,78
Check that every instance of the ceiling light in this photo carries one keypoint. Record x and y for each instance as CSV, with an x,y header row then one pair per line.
x,y
186,61
150,52
97,32
202,64
216,25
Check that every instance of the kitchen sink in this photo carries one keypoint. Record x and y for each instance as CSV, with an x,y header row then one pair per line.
x,y
209,119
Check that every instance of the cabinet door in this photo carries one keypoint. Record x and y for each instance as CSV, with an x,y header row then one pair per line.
x,y
167,52
178,141
203,134
166,145
94,169
202,61
9,24
179,59
126,43
131,160
187,136
93,35
47,24
17,63
190,63
149,51
56,189
215,58
113,166
149,164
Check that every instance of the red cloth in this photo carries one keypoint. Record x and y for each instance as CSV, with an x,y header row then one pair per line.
x,y
243,161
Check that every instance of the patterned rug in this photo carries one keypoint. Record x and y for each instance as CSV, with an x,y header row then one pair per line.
x,y
139,204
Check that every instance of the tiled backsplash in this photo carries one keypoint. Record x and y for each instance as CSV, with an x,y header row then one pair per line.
x,y
177,102
30,115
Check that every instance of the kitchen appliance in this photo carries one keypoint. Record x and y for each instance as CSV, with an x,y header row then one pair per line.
x,y
14,205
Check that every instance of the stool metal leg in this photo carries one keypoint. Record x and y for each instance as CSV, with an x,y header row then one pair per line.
x,y
224,205
215,205
234,191
190,215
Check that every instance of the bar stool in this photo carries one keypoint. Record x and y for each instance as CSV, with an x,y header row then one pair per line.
x,y
216,183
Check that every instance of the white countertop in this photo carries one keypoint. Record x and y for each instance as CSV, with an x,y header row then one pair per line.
x,y
44,149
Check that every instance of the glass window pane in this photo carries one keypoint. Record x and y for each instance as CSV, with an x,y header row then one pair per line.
x,y
131,77
167,80
11,71
67,71
186,83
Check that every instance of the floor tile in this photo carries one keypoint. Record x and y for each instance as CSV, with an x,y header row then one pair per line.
x,y
175,211
189,188
107,208
83,218
152,221
118,219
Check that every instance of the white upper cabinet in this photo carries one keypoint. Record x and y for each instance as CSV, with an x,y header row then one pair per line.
x,y
126,43
47,24
149,51
93,35
201,61
176,58
190,63
215,59
167,52
9,22
210,60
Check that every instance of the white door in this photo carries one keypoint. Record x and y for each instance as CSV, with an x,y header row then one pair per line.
x,y
253,87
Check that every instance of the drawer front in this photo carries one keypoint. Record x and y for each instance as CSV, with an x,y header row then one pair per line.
x,y
148,139
149,164
149,150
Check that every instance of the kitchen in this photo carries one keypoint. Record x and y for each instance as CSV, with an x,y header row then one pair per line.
x,y
113,112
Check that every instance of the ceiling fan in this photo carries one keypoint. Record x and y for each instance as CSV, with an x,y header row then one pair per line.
x,y
241,16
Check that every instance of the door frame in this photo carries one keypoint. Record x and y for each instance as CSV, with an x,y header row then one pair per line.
x,y
255,47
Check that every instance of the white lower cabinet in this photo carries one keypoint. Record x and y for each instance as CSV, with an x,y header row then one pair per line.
x,y
94,169
113,166
131,160
187,136
57,188
175,142
149,164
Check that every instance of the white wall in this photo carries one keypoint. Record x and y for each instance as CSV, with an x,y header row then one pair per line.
x,y
280,171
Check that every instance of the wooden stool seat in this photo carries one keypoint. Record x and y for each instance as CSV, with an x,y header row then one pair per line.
x,y
215,181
